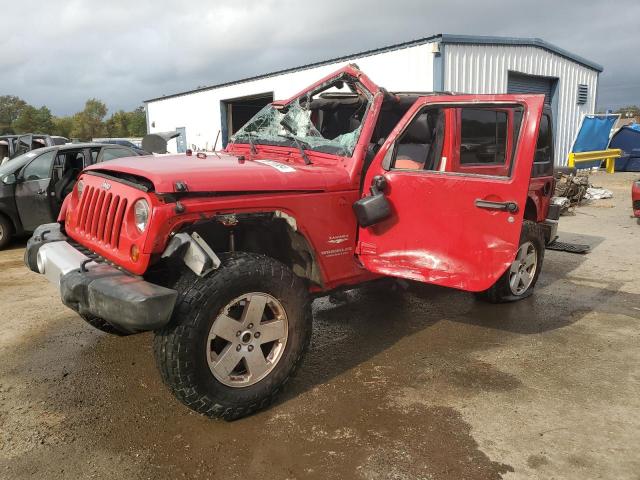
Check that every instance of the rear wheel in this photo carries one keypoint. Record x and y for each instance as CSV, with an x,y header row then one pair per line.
x,y
236,336
6,231
520,278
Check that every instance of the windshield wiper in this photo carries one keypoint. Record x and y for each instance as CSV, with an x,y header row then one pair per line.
x,y
299,144
254,151
286,124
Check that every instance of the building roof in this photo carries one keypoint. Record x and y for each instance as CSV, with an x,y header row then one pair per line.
x,y
518,41
442,38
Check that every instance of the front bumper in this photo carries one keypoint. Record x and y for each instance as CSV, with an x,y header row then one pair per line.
x,y
126,301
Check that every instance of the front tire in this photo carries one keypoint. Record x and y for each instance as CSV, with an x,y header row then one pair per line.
x,y
520,278
6,231
236,336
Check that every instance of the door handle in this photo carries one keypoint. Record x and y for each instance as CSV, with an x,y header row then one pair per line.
x,y
511,207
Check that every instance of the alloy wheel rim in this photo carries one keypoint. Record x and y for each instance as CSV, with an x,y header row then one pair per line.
x,y
523,268
247,339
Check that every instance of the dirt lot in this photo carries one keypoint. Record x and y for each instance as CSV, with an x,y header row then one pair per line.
x,y
427,384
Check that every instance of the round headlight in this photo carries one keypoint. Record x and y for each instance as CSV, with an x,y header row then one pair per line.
x,y
79,188
141,214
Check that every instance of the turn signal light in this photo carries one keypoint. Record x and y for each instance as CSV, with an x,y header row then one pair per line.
x,y
134,254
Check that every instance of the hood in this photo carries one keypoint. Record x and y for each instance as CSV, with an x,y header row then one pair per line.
x,y
228,173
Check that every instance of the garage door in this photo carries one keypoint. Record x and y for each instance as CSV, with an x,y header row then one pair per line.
x,y
520,83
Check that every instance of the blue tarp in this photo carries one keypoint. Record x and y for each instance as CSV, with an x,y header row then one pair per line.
x,y
627,139
593,136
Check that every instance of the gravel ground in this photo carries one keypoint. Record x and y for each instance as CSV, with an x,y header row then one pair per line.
x,y
422,384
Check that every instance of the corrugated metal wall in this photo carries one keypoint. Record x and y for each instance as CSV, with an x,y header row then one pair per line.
x,y
484,69
406,69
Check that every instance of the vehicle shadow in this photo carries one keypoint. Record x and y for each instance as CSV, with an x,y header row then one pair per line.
x,y
17,243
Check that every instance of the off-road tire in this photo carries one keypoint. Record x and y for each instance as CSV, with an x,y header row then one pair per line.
x,y
180,347
103,325
6,231
501,291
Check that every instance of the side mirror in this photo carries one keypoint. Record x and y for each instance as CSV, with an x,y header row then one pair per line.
x,y
374,208
10,179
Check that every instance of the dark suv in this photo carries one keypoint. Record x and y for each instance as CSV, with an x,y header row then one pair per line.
x,y
33,185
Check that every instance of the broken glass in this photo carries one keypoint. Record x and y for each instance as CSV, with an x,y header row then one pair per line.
x,y
266,128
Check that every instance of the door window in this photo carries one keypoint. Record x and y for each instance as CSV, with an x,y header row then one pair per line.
x,y
23,144
94,155
543,159
483,136
39,168
111,153
486,140
419,147
544,146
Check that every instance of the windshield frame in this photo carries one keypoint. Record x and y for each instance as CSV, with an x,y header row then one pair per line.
x,y
355,84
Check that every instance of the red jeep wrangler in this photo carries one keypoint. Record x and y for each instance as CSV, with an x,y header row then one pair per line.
x,y
219,254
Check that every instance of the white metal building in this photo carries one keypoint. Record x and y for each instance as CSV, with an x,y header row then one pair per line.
x,y
460,63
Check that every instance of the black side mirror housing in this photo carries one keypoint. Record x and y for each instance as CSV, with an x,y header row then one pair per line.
x,y
374,208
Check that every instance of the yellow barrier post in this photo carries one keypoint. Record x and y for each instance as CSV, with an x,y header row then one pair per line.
x,y
609,156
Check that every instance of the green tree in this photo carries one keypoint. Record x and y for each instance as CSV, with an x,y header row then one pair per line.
x,y
33,120
89,123
118,124
138,122
629,111
10,109
62,126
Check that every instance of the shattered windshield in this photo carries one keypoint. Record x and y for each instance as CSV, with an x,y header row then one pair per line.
x,y
327,120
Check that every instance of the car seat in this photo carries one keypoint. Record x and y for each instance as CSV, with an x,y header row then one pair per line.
x,y
414,146
65,184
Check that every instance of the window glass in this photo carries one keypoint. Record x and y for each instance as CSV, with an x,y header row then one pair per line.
x,y
40,167
79,160
111,153
328,119
483,138
544,147
420,145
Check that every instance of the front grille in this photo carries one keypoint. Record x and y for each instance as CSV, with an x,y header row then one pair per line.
x,y
101,215
85,251
636,204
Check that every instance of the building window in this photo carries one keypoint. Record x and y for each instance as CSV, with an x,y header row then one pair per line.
x,y
583,93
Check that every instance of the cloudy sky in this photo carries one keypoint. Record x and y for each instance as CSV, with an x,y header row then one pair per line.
x,y
59,53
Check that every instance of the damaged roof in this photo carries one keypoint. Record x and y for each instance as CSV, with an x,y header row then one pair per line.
x,y
442,38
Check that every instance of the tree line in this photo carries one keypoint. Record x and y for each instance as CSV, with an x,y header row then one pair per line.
x,y
17,116
629,111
